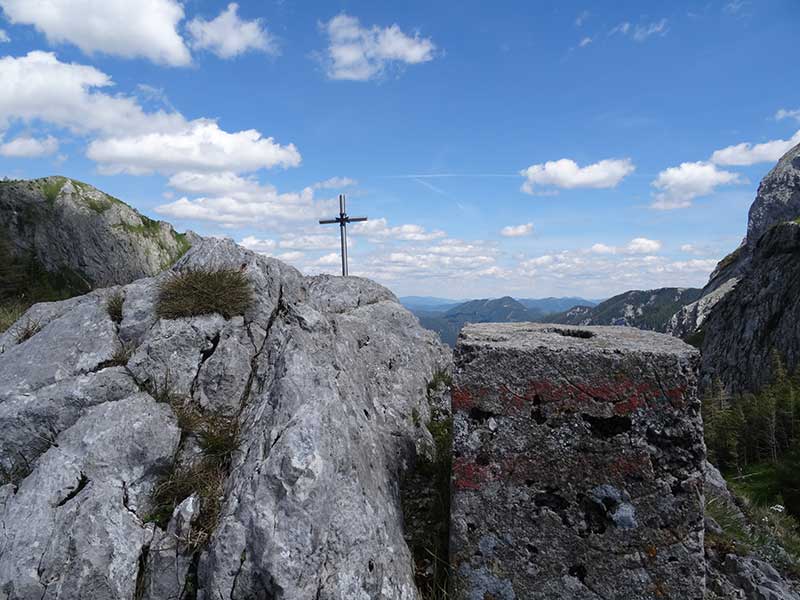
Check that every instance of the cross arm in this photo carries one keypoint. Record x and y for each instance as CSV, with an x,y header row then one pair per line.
x,y
328,221
356,219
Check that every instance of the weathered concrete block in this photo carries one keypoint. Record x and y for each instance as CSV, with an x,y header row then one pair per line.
x,y
578,465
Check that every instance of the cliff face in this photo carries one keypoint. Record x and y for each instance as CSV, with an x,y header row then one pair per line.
x,y
777,201
68,225
759,316
256,456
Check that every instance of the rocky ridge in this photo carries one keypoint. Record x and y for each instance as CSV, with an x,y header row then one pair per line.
x,y
320,385
69,226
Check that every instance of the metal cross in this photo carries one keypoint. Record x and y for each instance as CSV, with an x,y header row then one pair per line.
x,y
343,220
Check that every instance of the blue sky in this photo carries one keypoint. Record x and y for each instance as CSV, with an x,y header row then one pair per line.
x,y
524,148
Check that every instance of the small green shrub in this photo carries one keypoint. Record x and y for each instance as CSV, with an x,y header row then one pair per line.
x,y
114,307
197,292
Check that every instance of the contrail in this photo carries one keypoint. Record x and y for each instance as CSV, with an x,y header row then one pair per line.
x,y
435,175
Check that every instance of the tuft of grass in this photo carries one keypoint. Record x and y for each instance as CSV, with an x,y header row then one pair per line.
x,y
10,314
25,330
218,438
197,292
52,187
121,356
440,378
114,307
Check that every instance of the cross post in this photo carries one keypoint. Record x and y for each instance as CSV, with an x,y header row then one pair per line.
x,y
343,220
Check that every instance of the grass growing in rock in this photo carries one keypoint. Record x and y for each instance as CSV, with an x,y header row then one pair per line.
x,y
426,501
198,292
25,330
204,475
114,307
218,438
769,532
10,314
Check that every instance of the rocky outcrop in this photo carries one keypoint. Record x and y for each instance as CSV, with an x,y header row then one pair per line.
x,y
688,320
578,465
316,396
778,197
643,309
759,317
738,575
70,227
777,201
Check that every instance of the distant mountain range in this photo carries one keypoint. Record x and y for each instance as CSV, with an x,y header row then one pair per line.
x,y
447,317
643,309
649,309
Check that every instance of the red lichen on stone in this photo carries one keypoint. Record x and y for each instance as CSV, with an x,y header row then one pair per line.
x,y
469,475
632,464
510,398
629,405
677,396
461,399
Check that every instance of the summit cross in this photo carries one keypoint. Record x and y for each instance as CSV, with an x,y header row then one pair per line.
x,y
343,220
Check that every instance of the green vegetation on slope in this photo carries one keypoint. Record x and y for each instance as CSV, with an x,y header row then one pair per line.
x,y
24,282
755,441
51,187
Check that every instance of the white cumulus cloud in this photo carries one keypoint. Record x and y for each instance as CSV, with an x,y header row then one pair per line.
x,y
517,230
38,86
642,245
378,230
679,186
229,200
200,146
265,246
4,36
745,154
358,53
145,28
29,147
639,245
566,173
228,36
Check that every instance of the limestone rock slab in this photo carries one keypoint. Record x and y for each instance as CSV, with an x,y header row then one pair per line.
x,y
578,465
